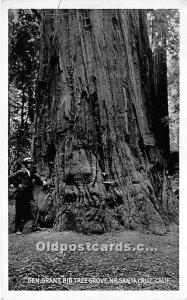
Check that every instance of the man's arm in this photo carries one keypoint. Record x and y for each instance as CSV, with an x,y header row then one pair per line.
x,y
39,181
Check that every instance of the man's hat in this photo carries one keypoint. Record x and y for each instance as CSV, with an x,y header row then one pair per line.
x,y
27,160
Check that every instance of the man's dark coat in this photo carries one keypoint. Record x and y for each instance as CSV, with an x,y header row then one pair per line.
x,y
26,207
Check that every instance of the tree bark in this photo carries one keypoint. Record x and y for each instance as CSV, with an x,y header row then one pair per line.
x,y
96,126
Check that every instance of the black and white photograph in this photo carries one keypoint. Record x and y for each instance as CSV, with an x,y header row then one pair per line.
x,y
93,149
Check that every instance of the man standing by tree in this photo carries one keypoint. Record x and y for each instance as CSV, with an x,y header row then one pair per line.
x,y
26,207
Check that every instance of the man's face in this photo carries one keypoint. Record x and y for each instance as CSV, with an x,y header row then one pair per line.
x,y
28,166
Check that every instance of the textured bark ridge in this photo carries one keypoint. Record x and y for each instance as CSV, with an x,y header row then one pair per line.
x,y
96,126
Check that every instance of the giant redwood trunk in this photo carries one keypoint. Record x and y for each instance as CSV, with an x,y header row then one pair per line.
x,y
96,131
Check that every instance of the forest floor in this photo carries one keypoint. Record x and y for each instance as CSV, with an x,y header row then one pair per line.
x,y
30,269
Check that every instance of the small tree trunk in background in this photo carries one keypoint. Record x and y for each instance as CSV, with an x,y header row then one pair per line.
x,y
96,134
160,78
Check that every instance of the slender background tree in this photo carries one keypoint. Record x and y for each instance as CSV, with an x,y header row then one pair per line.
x,y
163,26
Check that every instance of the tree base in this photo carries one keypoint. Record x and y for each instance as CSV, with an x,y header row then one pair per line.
x,y
89,201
